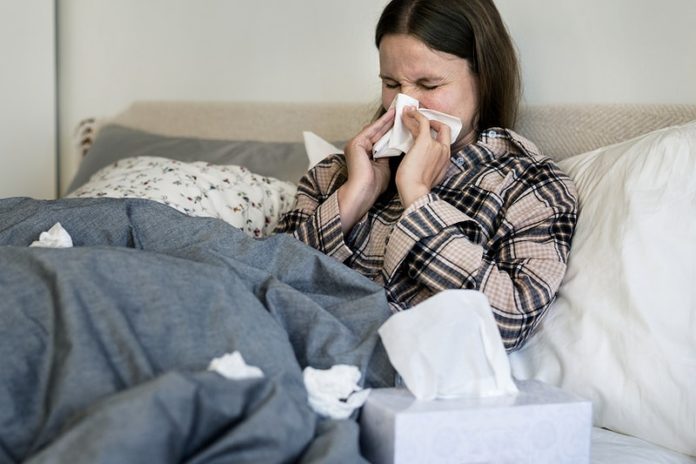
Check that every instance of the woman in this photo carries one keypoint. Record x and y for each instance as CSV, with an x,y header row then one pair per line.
x,y
488,212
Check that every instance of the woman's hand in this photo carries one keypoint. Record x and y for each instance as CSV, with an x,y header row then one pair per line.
x,y
367,177
425,165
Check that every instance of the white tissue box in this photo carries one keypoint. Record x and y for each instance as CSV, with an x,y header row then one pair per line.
x,y
541,424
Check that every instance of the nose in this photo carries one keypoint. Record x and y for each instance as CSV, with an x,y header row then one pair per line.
x,y
411,92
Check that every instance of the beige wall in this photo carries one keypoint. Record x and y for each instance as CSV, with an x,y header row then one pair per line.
x,y
625,51
115,52
27,99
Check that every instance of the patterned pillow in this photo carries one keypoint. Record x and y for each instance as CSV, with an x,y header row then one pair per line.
x,y
251,202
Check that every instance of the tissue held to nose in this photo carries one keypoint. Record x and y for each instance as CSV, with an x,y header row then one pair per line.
x,y
398,139
449,346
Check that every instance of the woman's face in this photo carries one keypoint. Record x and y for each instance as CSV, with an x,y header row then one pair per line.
x,y
440,81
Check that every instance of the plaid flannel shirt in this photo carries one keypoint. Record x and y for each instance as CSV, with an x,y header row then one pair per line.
x,y
500,222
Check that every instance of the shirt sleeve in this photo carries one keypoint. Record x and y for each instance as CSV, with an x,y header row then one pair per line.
x,y
520,267
315,218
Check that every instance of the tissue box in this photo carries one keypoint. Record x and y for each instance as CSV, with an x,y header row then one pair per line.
x,y
541,424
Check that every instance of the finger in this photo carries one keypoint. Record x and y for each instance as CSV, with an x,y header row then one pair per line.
x,y
372,132
444,133
380,127
383,162
389,114
419,125
410,120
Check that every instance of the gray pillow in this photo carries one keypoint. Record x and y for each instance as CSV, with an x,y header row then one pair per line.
x,y
282,160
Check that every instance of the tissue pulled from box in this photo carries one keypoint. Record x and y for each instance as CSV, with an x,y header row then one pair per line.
x,y
449,346
334,392
399,140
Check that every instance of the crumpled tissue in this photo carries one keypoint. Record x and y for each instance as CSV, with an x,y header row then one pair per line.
x,y
334,392
55,237
449,346
399,140
232,366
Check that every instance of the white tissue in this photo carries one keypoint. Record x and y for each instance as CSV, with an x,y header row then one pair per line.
x,y
55,237
334,392
232,366
449,346
399,140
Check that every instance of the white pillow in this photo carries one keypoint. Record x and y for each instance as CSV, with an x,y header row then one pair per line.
x,y
234,194
317,148
622,331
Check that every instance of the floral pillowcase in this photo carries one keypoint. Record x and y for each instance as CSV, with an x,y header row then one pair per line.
x,y
248,201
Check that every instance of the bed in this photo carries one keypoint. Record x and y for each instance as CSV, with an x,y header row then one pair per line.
x,y
143,287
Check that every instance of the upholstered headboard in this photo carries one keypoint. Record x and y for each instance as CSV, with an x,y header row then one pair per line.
x,y
560,130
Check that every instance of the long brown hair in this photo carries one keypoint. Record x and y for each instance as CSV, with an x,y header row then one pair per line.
x,y
469,29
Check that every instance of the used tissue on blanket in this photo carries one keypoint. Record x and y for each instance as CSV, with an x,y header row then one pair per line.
x,y
233,366
449,346
398,139
334,392
55,237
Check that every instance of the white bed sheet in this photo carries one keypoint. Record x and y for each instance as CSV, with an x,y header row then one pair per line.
x,y
614,448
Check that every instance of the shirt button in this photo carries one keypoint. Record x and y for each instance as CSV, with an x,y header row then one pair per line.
x,y
459,161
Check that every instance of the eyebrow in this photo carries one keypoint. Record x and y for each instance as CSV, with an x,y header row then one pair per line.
x,y
422,80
